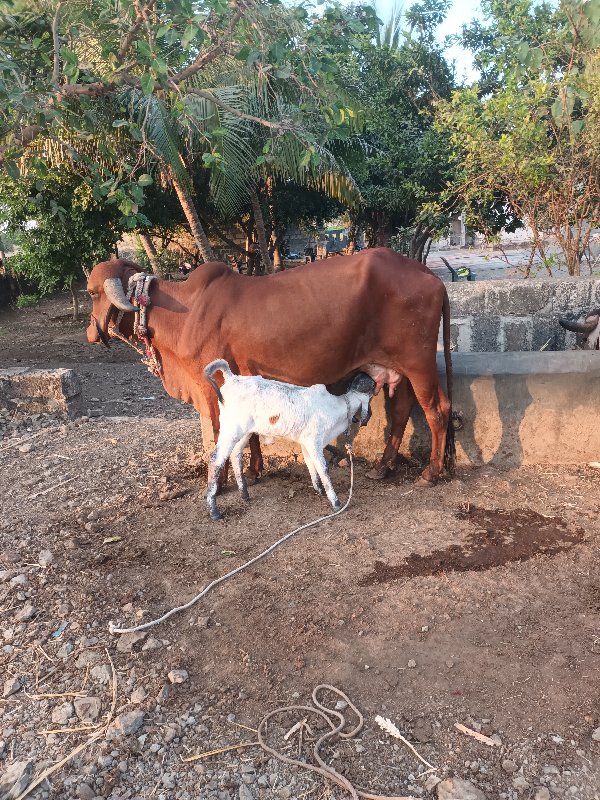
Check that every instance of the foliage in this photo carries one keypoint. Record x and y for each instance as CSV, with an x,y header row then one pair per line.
x,y
27,300
397,78
59,228
526,139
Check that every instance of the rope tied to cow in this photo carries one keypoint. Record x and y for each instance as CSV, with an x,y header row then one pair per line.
x,y
116,630
138,294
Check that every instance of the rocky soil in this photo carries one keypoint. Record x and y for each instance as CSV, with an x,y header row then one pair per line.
x,y
475,603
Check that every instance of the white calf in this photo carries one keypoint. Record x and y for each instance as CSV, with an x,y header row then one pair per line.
x,y
309,415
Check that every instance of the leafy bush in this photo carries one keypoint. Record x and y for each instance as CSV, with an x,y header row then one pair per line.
x,y
27,300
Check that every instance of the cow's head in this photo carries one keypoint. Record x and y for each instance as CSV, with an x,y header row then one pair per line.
x,y
106,286
588,330
365,385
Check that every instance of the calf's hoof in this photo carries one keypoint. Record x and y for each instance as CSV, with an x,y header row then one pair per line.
x,y
244,495
378,473
337,506
216,516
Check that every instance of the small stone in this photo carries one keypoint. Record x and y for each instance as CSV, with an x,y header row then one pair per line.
x,y
152,644
87,658
11,686
520,784
126,724
15,779
424,628
231,717
25,448
87,709
202,622
245,793
45,558
163,695
596,735
19,580
85,792
127,641
341,705
178,676
412,663
284,793
63,713
542,793
101,673
25,613
291,494
138,695
359,748
449,663
509,766
168,780
431,782
458,789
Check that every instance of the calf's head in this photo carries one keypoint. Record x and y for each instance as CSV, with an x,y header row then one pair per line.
x,y
106,286
364,385
588,330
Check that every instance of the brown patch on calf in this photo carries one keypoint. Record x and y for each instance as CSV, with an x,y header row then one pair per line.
x,y
273,419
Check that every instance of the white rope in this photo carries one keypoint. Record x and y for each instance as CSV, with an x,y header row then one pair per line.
x,y
113,629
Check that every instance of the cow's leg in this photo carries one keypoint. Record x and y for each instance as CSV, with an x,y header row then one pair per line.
x,y
400,407
318,459
218,458
314,475
435,405
255,467
237,462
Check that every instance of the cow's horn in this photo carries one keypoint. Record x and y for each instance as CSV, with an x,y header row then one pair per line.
x,y
113,289
580,327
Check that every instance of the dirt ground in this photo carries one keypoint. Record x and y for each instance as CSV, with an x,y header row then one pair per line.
x,y
476,602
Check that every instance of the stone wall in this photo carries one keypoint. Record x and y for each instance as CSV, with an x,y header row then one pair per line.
x,y
41,391
516,408
513,315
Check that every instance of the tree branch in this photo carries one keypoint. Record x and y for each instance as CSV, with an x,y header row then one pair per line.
x,y
56,45
278,126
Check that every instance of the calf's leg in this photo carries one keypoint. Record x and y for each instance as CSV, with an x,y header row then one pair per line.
x,y
218,458
255,466
320,465
314,475
237,462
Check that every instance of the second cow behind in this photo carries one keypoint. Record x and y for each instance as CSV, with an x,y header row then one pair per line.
x,y
310,416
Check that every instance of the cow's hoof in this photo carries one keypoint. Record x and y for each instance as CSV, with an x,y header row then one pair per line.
x,y
216,516
378,473
337,506
423,483
245,496
252,478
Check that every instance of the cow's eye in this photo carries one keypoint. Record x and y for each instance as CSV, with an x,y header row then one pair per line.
x,y
94,295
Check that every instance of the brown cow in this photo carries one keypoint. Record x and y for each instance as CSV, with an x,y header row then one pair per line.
x,y
376,311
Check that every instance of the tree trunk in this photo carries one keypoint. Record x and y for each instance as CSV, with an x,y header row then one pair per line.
x,y
150,251
260,232
277,263
191,215
75,300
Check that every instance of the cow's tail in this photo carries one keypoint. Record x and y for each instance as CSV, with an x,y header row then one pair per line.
x,y
450,449
209,371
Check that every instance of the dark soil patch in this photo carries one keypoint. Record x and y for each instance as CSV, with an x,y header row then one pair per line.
x,y
502,537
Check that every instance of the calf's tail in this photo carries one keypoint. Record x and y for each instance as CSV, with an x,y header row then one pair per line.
x,y
209,371
450,449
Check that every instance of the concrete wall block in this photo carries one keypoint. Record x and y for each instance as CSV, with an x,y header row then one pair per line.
x,y
546,327
460,334
529,297
498,297
466,298
485,334
41,391
516,333
572,297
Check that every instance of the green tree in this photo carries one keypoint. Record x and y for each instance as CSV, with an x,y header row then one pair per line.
x,y
59,229
397,75
529,133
